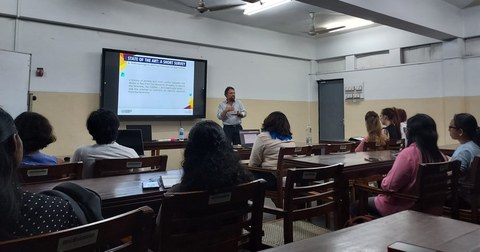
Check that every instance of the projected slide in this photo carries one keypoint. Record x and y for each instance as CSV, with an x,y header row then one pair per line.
x,y
152,85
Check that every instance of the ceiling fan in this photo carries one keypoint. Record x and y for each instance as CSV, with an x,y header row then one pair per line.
x,y
202,8
320,30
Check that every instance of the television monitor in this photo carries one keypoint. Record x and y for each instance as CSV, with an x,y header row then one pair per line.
x,y
248,137
147,86
146,131
131,138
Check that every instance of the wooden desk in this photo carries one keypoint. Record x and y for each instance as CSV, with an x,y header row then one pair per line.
x,y
448,149
412,227
118,193
356,165
156,146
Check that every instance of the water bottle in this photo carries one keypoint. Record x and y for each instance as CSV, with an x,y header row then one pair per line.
x,y
181,134
308,132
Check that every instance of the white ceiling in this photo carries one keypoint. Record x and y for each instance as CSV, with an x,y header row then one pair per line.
x,y
291,18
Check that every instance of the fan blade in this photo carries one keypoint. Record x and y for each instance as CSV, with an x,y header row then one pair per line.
x,y
473,3
325,30
223,7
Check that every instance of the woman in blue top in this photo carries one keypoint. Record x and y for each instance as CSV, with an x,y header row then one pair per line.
x,y
36,133
464,128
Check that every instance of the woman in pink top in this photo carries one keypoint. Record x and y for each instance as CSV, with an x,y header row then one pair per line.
x,y
422,139
374,129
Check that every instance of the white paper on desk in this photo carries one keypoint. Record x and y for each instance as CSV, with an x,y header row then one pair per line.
x,y
170,180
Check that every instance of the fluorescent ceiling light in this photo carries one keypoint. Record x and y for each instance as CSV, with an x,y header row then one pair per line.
x,y
263,5
348,24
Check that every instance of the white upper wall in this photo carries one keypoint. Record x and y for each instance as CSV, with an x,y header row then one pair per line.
x,y
472,21
146,20
66,38
368,40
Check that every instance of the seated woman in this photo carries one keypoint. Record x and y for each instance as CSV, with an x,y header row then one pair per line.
x,y
36,133
23,213
275,134
209,161
103,126
389,118
374,130
422,148
464,129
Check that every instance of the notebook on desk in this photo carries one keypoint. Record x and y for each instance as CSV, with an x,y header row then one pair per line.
x,y
248,137
131,138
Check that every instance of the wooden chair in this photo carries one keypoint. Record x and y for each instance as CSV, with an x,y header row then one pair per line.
x,y
281,172
122,166
130,231
396,144
307,186
343,148
374,146
435,181
470,192
201,221
50,173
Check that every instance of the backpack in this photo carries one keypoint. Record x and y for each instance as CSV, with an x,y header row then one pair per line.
x,y
86,203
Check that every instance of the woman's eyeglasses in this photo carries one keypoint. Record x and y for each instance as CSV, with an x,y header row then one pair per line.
x,y
452,127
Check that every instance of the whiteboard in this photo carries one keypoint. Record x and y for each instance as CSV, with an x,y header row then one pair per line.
x,y
14,81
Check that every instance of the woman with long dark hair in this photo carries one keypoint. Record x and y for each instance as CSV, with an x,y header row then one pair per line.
x,y
422,148
209,161
22,213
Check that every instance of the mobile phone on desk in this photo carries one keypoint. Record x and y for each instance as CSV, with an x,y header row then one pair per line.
x,y
371,159
150,184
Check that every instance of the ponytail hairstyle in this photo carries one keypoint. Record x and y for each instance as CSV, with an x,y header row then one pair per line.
x,y
422,130
468,124
9,192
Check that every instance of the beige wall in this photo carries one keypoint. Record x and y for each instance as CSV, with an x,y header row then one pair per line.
x,y
440,109
68,113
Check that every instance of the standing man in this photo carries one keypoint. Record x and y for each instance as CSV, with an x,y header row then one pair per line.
x,y
231,112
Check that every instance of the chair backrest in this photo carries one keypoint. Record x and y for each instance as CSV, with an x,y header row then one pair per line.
x,y
307,186
122,166
201,221
135,225
374,146
435,181
342,148
289,151
396,144
50,173
470,191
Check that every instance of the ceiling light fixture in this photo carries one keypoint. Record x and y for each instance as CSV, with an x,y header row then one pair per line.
x,y
263,5
348,24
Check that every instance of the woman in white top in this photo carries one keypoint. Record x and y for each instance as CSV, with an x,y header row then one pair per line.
x,y
275,134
